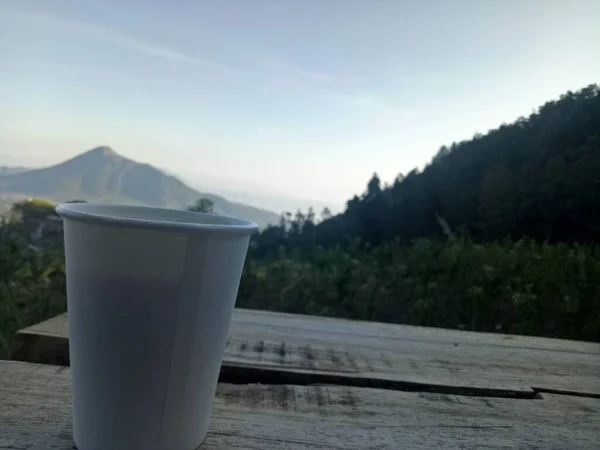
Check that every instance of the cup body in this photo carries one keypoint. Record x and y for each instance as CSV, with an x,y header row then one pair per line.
x,y
150,296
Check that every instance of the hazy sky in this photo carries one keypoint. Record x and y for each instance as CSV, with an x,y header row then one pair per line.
x,y
305,98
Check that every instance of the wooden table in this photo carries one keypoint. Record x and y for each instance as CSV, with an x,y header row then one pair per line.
x,y
299,382
35,414
285,348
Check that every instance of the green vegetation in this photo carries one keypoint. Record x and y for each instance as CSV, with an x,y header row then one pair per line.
x,y
203,205
32,286
498,233
516,287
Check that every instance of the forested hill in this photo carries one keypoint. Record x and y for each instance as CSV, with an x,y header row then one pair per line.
x,y
538,177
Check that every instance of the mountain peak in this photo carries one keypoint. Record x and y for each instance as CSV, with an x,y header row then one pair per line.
x,y
103,150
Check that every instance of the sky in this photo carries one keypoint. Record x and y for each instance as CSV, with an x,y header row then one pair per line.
x,y
301,99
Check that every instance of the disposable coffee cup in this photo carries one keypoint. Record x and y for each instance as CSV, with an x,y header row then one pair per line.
x,y
150,295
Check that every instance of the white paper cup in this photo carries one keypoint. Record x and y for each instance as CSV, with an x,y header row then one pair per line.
x,y
150,295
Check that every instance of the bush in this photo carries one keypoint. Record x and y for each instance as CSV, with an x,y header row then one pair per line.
x,y
32,286
518,287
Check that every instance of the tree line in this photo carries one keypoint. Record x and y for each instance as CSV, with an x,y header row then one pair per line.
x,y
537,178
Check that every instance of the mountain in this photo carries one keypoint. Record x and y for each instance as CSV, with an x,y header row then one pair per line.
x,y
101,175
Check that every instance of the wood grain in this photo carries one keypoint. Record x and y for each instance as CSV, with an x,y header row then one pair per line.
x,y
374,354
35,414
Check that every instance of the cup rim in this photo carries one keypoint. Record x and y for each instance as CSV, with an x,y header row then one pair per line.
x,y
149,217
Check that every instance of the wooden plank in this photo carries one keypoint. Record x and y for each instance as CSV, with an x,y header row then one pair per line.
x,y
401,356
36,415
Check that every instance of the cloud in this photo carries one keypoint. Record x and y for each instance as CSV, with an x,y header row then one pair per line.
x,y
263,67
275,131
111,36
291,71
372,101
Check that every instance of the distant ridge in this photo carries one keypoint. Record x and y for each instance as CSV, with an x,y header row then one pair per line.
x,y
102,175
8,170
